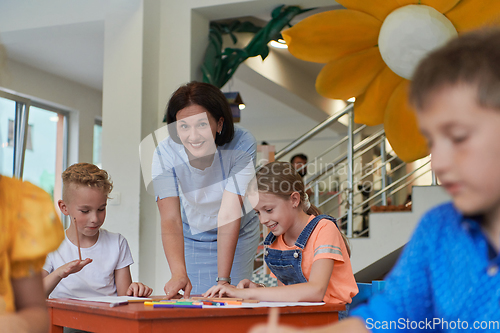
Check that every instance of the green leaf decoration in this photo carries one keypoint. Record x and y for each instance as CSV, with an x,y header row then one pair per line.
x,y
219,66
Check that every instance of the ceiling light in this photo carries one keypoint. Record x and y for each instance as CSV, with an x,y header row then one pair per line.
x,y
280,44
351,100
236,104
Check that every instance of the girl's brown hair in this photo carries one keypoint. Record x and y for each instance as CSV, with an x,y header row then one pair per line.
x,y
281,179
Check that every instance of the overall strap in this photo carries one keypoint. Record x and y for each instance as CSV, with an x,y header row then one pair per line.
x,y
270,238
306,233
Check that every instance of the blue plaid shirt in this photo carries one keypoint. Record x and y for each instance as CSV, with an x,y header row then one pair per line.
x,y
446,280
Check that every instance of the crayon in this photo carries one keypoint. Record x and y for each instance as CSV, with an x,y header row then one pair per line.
x,y
213,303
155,302
184,302
217,299
158,305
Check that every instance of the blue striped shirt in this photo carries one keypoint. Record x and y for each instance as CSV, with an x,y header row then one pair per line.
x,y
446,280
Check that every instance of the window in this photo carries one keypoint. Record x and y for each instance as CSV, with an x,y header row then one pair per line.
x,y
33,142
7,118
10,139
43,163
97,143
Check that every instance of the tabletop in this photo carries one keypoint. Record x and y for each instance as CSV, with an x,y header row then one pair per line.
x,y
136,317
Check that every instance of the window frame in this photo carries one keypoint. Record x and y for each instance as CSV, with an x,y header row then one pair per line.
x,y
21,123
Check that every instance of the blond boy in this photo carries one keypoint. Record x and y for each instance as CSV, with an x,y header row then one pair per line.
x,y
105,271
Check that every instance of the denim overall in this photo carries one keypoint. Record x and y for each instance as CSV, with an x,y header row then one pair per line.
x,y
287,265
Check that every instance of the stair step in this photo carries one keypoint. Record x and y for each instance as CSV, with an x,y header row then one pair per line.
x,y
372,256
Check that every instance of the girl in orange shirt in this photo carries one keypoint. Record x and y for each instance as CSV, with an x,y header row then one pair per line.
x,y
306,251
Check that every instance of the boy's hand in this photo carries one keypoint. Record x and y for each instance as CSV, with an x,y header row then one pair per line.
x,y
72,267
246,283
138,289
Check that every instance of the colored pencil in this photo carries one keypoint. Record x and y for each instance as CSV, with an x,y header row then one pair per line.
x,y
225,299
217,299
158,305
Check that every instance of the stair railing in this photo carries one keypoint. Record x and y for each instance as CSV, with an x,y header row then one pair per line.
x,y
353,153
316,130
401,182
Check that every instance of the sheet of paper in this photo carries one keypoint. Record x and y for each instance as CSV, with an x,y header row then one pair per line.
x,y
264,305
112,299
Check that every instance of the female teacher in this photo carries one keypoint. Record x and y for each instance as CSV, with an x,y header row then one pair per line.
x,y
200,174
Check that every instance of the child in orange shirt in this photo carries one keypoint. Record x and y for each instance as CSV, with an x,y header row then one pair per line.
x,y
306,251
29,230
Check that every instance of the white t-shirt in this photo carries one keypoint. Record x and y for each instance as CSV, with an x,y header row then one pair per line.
x,y
109,253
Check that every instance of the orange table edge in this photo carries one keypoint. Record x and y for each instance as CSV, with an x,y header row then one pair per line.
x,y
136,317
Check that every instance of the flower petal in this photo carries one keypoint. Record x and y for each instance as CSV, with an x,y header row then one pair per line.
x,y
407,2
349,76
378,9
329,35
401,127
472,14
441,6
369,108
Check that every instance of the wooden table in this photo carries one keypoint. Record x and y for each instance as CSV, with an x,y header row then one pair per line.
x,y
136,317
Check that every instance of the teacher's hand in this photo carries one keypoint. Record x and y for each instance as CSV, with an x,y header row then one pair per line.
x,y
176,284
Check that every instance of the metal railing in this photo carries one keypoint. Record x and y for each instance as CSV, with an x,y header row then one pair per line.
x,y
316,130
390,182
353,179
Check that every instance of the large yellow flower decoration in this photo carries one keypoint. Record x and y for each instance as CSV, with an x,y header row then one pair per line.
x,y
371,48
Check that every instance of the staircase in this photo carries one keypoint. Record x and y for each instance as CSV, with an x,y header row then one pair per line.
x,y
372,257
376,238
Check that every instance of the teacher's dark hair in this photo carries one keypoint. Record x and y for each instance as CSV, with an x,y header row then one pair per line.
x,y
208,96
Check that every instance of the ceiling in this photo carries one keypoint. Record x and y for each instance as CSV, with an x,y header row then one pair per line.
x,y
66,38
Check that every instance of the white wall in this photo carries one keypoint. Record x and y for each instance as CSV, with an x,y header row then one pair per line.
x,y
84,103
121,117
149,229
